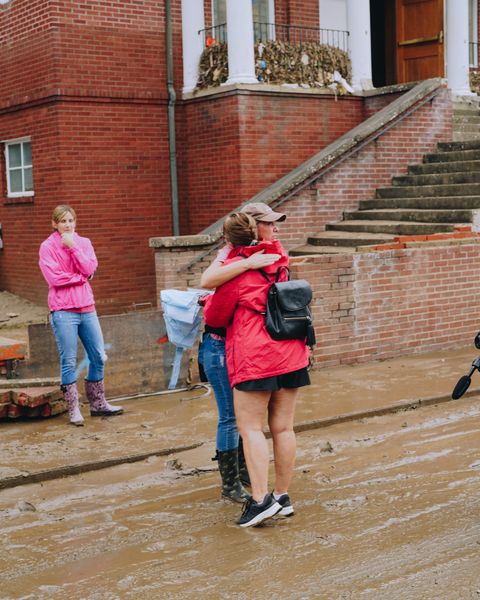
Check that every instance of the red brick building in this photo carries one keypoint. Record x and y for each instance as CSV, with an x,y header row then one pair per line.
x,y
85,101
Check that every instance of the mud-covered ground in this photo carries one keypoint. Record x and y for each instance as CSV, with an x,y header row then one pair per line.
x,y
17,313
386,509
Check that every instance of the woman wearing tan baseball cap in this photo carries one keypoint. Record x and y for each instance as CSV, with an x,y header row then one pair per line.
x,y
212,357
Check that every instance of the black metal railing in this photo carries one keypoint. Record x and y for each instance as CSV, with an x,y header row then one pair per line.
x,y
299,35
217,33
264,32
473,54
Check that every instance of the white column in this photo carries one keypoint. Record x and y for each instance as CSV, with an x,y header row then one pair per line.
x,y
241,57
360,46
193,20
457,37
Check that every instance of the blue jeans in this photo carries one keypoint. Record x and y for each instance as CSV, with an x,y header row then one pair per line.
x,y
212,357
68,327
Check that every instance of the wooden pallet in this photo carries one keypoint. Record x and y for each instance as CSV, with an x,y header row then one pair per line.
x,y
31,402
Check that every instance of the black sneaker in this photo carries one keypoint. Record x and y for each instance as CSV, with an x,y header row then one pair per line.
x,y
255,513
287,508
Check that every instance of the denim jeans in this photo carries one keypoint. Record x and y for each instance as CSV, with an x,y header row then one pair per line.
x,y
212,357
68,327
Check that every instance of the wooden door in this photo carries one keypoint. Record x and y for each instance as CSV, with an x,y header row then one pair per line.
x,y
420,48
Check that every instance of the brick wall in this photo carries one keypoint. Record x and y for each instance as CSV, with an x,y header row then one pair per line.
x,y
26,222
90,48
378,305
304,13
27,55
87,82
121,196
234,145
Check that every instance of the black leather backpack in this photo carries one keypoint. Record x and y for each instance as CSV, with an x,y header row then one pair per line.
x,y
287,312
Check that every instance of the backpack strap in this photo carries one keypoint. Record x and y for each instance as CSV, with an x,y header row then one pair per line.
x,y
277,274
267,277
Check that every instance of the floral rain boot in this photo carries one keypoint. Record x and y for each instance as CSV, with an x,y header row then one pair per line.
x,y
99,407
70,393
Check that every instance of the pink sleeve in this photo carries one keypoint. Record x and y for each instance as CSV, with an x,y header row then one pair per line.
x,y
223,253
83,256
53,273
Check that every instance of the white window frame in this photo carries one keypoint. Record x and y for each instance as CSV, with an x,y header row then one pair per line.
x,y
473,29
271,18
271,12
23,166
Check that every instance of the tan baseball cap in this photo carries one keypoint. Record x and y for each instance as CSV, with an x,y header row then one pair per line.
x,y
262,212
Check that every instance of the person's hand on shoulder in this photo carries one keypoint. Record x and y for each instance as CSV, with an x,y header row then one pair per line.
x,y
67,239
258,260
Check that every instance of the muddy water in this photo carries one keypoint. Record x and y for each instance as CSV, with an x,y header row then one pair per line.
x,y
184,418
387,508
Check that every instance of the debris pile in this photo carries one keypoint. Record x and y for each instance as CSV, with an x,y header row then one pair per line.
x,y
31,402
306,65
475,81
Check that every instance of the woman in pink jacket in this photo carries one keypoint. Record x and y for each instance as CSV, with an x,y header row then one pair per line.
x,y
265,375
68,262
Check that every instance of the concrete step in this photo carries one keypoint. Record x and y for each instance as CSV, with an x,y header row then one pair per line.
x,y
460,189
350,239
466,130
426,202
445,167
466,118
437,178
454,155
391,227
414,215
462,136
456,146
311,249
465,112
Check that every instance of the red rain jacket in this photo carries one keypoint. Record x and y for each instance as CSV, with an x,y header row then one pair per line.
x,y
251,352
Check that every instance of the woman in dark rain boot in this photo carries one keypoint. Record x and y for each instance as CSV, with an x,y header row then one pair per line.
x,y
228,467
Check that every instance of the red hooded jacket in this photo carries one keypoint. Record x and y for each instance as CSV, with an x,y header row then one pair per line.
x,y
251,352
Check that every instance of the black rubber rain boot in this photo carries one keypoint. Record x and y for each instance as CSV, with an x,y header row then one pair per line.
x,y
242,466
228,467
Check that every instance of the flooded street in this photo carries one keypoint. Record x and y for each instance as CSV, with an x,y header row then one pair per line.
x,y
386,507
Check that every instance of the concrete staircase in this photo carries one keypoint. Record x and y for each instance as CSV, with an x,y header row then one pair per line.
x,y
466,119
433,197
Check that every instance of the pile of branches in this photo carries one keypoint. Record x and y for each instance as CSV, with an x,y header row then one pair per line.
x,y
213,69
475,81
307,65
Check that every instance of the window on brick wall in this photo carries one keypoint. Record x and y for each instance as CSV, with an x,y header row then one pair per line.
x,y
18,161
263,11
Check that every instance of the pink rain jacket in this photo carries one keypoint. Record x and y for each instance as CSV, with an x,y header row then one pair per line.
x,y
251,352
66,271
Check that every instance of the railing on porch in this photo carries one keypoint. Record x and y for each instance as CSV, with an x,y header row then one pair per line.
x,y
473,54
264,32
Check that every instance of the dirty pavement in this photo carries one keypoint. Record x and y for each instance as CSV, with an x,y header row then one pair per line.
x,y
385,493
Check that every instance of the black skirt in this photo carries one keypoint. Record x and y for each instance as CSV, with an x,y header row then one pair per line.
x,y
294,379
